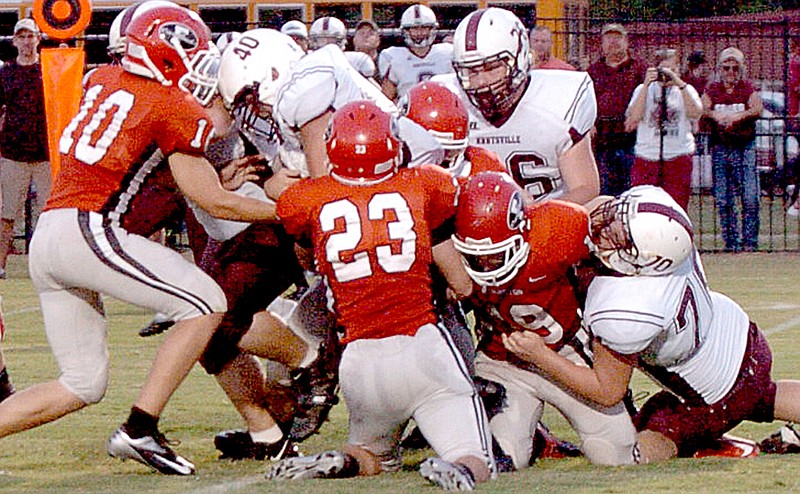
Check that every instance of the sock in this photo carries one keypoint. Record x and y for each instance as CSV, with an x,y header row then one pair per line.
x,y
140,423
6,387
269,436
311,356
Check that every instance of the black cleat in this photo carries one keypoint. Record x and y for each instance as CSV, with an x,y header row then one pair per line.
x,y
239,445
156,326
785,441
316,386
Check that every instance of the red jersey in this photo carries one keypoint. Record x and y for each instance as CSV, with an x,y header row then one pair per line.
x,y
540,298
372,245
110,146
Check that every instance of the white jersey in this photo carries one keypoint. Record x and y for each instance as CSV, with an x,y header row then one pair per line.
x,y
557,110
362,62
324,80
689,339
402,67
678,136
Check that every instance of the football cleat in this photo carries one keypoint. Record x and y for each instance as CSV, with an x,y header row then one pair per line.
x,y
316,385
157,326
786,440
730,447
448,476
151,450
239,445
546,445
325,465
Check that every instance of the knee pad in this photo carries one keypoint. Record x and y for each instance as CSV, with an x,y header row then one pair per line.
x,y
601,451
90,386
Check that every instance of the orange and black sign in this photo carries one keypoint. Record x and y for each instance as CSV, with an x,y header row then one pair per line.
x,y
62,19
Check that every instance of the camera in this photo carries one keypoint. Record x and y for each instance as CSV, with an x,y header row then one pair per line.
x,y
663,76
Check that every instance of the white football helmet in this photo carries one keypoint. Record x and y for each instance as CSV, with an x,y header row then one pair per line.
x,y
642,232
251,71
226,39
418,16
295,28
327,31
492,228
116,33
482,40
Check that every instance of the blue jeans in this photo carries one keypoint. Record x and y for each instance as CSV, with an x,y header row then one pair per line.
x,y
735,175
614,165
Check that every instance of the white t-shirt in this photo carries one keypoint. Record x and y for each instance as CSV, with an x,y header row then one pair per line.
x,y
678,136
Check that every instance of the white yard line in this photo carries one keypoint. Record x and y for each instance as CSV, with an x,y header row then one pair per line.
x,y
232,486
784,326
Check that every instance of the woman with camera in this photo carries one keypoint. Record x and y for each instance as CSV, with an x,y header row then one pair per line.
x,y
662,110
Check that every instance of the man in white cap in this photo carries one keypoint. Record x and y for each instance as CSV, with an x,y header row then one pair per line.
x,y
298,32
23,136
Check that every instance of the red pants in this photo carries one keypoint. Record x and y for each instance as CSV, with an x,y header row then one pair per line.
x,y
674,176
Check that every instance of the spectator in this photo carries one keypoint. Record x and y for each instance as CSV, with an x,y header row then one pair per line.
x,y
662,111
696,72
298,32
23,137
733,105
367,39
400,67
541,41
616,74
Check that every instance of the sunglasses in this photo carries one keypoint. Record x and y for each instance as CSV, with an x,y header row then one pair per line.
x,y
728,68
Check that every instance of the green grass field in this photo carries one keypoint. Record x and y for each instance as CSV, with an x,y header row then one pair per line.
x,y
69,456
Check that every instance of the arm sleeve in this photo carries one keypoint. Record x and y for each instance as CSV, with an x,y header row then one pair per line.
x,y
308,95
187,130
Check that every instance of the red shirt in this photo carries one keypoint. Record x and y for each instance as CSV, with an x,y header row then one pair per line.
x,y
613,88
540,298
108,148
372,245
743,132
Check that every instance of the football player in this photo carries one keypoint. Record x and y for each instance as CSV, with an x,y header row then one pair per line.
x,y
403,66
298,32
651,309
372,228
318,84
519,256
536,121
331,31
442,113
400,67
254,264
79,251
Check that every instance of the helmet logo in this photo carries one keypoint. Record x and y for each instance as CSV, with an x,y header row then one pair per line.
x,y
516,212
182,35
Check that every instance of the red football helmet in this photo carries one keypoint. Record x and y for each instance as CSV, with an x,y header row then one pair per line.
x,y
439,110
362,143
172,45
491,228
